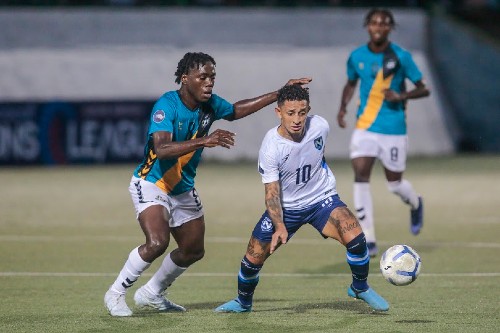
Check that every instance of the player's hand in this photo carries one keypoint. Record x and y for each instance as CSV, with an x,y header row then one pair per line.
x,y
280,236
392,96
340,118
220,137
302,81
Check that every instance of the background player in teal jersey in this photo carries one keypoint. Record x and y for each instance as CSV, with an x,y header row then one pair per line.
x,y
162,186
300,189
382,67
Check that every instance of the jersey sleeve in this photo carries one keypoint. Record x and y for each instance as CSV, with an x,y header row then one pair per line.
x,y
162,116
325,126
411,70
268,166
351,69
222,107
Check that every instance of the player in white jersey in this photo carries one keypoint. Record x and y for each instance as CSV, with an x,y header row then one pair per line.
x,y
300,189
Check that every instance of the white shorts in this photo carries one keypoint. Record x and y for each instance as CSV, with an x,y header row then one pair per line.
x,y
182,208
391,150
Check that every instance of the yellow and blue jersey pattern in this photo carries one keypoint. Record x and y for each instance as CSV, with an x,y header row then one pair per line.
x,y
378,72
169,114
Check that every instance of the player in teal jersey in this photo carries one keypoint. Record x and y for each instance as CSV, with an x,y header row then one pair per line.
x,y
380,133
162,186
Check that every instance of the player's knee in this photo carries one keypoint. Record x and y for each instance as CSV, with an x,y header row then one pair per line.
x,y
156,247
198,255
394,187
357,246
361,178
344,214
362,173
192,256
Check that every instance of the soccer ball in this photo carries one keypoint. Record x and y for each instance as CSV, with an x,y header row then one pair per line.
x,y
400,265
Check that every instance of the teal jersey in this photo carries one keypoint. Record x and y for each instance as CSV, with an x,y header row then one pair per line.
x,y
378,72
169,114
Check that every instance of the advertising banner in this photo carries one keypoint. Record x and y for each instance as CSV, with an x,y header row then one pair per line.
x,y
72,132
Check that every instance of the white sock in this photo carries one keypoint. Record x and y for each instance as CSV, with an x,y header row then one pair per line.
x,y
405,191
164,276
364,209
133,268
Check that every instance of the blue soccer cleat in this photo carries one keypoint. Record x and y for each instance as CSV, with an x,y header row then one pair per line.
x,y
417,217
233,306
373,299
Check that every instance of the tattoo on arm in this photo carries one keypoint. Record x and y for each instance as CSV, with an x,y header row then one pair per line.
x,y
273,203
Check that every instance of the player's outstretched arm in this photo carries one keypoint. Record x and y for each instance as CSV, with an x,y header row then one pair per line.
x,y
347,94
275,211
420,91
246,107
165,148
220,137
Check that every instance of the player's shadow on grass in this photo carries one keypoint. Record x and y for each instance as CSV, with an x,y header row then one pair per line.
x,y
153,313
339,268
352,306
260,306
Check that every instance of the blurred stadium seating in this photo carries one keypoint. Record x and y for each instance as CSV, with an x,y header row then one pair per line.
x,y
58,56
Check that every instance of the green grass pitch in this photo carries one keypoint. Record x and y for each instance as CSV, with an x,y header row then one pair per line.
x,y
66,231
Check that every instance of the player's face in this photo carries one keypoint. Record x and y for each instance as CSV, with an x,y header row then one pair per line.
x,y
199,83
293,116
379,28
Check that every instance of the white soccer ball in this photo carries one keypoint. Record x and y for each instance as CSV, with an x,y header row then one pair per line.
x,y
400,265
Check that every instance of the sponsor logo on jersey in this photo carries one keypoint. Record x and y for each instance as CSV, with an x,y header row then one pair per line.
x,y
158,116
327,203
266,224
318,143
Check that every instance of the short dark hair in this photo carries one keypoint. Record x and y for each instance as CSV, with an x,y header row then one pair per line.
x,y
189,61
292,92
382,11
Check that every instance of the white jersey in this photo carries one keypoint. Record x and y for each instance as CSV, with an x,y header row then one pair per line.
x,y
300,167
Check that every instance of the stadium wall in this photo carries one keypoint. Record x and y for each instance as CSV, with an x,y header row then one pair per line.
x,y
471,82
81,57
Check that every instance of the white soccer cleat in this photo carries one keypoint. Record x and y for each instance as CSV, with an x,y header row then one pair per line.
x,y
144,299
116,305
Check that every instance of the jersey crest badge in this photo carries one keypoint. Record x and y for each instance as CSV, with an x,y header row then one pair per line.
x,y
318,143
390,63
205,120
266,224
158,116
